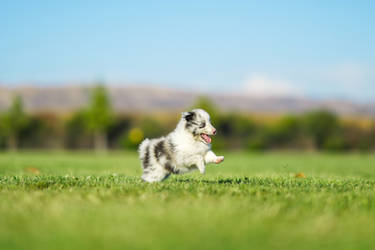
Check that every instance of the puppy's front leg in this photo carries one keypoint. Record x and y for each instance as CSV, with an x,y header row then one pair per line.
x,y
210,157
199,162
201,167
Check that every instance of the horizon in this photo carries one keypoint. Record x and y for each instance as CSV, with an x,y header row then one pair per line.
x,y
141,98
203,93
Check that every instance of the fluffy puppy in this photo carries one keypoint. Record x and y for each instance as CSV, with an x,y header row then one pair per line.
x,y
185,149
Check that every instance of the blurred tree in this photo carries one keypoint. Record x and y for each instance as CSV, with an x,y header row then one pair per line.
x,y
118,129
2,141
234,124
13,122
40,132
206,104
366,141
99,117
152,128
260,141
145,127
133,138
322,125
334,143
234,129
76,134
285,132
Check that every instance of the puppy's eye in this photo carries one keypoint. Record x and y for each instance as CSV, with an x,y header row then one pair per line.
x,y
202,125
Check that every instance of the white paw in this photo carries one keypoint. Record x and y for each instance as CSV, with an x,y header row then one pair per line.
x,y
219,159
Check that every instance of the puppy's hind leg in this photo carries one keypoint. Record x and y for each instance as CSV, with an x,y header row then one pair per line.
x,y
155,173
210,157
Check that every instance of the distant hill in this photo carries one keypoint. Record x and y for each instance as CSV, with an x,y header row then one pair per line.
x,y
148,99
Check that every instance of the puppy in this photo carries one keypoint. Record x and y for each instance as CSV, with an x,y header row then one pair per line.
x,y
185,149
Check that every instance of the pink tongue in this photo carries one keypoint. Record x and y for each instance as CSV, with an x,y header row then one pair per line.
x,y
206,138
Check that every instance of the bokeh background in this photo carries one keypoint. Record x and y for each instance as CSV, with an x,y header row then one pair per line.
x,y
274,75
290,86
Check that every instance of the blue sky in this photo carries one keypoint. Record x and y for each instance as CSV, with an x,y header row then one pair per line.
x,y
323,49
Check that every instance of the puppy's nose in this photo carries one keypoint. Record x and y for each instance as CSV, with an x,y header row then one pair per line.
x,y
214,132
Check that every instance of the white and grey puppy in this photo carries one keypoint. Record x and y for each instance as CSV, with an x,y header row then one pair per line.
x,y
187,148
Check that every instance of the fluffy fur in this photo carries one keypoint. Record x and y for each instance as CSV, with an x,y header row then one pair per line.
x,y
185,149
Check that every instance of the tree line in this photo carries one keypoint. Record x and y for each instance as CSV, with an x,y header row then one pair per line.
x,y
98,127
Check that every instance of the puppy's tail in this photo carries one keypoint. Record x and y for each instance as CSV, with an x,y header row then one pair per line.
x,y
144,153
142,147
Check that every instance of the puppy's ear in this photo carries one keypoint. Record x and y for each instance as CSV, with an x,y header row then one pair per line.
x,y
188,116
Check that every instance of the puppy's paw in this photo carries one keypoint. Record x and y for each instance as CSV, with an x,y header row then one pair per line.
x,y
219,159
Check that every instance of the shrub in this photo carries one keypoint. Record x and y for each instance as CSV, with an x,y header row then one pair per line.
x,y
320,125
285,132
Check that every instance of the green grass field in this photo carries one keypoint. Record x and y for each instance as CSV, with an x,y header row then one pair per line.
x,y
57,200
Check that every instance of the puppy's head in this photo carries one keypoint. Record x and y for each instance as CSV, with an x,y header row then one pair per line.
x,y
197,122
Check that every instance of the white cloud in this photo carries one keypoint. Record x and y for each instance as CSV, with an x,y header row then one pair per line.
x,y
348,80
348,75
264,86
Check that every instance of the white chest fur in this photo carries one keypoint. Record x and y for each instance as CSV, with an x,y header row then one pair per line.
x,y
187,149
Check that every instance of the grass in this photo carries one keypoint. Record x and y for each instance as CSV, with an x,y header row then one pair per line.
x,y
57,200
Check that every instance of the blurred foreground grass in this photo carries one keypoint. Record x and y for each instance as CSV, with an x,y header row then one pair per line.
x,y
60,200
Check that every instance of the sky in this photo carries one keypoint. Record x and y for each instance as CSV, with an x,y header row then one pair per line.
x,y
320,49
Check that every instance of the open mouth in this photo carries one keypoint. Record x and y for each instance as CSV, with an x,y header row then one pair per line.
x,y
206,138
